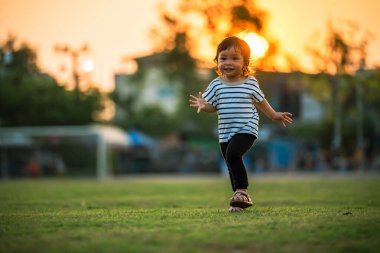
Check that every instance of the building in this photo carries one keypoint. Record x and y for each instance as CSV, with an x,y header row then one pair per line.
x,y
148,87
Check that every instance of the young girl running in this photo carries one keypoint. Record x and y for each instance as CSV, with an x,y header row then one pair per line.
x,y
235,95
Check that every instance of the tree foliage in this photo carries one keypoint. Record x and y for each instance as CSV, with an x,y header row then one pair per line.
x,y
343,51
30,97
342,61
207,22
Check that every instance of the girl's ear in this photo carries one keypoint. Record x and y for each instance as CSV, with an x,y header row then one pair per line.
x,y
245,70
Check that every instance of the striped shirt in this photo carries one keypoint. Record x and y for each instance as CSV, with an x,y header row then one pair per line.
x,y
234,104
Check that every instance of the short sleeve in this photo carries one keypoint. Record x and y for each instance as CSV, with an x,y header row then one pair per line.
x,y
209,94
257,93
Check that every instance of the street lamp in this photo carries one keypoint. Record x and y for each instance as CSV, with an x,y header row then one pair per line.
x,y
88,65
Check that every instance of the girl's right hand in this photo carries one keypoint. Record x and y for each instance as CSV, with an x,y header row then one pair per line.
x,y
199,102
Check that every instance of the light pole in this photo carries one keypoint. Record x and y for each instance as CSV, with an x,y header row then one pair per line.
x,y
74,54
359,121
359,80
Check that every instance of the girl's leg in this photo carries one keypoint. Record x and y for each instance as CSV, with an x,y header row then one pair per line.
x,y
234,152
223,148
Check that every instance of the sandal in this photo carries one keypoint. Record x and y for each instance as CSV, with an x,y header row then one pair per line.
x,y
241,199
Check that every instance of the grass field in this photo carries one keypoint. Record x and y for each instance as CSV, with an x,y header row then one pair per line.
x,y
303,214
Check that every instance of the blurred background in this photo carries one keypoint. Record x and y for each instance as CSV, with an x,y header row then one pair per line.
x,y
100,88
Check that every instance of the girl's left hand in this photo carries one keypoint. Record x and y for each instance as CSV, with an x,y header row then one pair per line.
x,y
284,118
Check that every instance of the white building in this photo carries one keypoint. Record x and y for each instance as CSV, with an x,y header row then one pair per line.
x,y
151,87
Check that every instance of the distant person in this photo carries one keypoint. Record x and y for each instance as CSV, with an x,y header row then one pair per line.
x,y
235,95
34,168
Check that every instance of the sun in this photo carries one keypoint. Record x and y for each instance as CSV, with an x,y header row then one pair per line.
x,y
259,45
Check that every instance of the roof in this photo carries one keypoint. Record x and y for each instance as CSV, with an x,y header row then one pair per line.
x,y
112,135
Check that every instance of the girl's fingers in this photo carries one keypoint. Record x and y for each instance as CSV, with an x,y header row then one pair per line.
x,y
194,105
287,117
194,102
197,101
200,96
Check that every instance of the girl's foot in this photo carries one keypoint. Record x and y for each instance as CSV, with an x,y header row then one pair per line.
x,y
234,209
241,199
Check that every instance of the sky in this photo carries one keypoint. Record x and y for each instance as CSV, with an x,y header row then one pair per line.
x,y
115,29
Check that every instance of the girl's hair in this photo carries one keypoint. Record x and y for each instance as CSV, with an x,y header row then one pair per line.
x,y
238,44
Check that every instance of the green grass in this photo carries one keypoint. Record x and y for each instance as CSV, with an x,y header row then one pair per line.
x,y
311,214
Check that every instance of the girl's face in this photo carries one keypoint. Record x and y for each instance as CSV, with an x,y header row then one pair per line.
x,y
230,64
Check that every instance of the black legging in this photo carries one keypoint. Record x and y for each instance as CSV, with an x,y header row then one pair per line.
x,y
233,152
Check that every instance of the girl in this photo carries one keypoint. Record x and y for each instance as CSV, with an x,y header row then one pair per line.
x,y
235,95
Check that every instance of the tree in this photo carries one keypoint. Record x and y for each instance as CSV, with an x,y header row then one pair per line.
x,y
207,22
30,97
343,55
344,63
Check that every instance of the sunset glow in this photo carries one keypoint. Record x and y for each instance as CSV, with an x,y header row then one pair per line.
x,y
111,36
258,44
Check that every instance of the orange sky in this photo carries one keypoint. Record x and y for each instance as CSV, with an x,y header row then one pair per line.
x,y
117,28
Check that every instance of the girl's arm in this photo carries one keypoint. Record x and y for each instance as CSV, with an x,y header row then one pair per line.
x,y
280,117
201,103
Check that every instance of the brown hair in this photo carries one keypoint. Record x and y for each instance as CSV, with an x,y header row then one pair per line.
x,y
239,44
